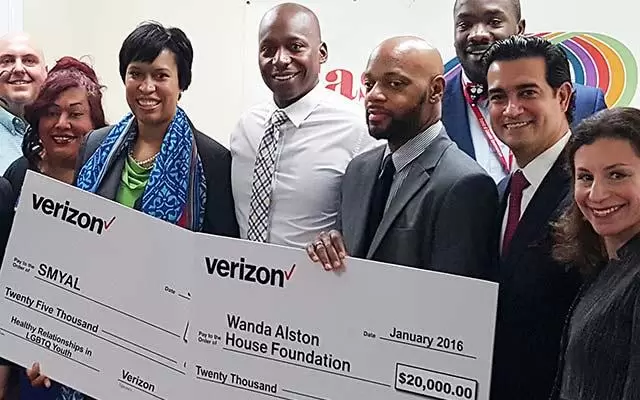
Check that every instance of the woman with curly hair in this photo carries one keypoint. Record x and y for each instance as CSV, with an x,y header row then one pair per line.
x,y
600,233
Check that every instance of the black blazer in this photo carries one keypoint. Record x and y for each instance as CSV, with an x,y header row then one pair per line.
x,y
219,217
534,296
441,218
7,204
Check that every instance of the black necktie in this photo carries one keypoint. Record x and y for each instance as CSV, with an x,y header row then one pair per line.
x,y
379,199
475,91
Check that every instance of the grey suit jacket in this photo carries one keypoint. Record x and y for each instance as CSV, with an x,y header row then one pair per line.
x,y
442,217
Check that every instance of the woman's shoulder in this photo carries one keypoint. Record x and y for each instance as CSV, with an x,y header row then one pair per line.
x,y
94,138
16,172
206,145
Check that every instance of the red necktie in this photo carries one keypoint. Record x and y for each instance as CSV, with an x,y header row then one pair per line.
x,y
517,185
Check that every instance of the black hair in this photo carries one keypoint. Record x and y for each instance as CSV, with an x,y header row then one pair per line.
x,y
148,40
555,59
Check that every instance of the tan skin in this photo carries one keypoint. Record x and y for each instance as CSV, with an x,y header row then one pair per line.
x,y
607,190
527,114
61,130
404,80
22,71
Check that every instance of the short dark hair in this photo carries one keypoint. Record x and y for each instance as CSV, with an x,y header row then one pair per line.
x,y
555,59
576,242
68,73
148,40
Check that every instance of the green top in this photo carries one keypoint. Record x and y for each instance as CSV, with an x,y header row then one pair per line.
x,y
132,183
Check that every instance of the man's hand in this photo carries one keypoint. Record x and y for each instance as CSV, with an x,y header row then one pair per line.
x,y
328,249
36,379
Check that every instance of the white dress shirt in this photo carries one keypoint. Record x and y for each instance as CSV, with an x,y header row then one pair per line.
x,y
485,156
325,131
535,172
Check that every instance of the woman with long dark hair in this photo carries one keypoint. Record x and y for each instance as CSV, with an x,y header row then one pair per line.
x,y
600,234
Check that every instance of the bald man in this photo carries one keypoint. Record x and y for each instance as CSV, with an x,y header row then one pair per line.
x,y
22,72
418,201
289,153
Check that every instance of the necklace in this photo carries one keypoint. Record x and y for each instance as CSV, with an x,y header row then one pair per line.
x,y
146,164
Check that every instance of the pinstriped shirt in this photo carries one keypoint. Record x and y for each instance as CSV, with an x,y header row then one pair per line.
x,y
407,153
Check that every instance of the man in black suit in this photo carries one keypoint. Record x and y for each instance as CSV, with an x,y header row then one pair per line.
x,y
419,201
478,24
530,101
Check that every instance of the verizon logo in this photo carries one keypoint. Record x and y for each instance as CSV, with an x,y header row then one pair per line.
x,y
248,272
65,212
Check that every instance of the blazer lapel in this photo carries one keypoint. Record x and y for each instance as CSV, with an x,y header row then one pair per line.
x,y
503,196
111,182
552,192
357,198
454,115
415,180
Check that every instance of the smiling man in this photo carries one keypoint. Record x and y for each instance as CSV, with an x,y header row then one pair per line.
x,y
530,103
289,153
478,24
22,72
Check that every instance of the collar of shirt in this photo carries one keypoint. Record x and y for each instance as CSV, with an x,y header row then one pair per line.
x,y
301,109
13,124
483,102
464,79
538,168
413,148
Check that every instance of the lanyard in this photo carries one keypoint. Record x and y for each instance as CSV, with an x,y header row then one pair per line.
x,y
489,135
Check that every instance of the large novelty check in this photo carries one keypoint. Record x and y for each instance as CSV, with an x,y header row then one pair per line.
x,y
117,304
96,293
266,322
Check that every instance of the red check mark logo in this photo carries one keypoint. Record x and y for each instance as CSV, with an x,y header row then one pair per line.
x,y
289,273
108,224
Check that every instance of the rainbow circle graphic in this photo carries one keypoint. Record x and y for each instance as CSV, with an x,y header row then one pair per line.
x,y
596,60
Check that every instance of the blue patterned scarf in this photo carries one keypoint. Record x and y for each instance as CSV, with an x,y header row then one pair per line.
x,y
176,191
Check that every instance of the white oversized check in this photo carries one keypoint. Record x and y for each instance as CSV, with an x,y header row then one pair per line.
x,y
96,292
265,322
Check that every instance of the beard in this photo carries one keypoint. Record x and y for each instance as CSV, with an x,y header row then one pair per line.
x,y
474,71
402,125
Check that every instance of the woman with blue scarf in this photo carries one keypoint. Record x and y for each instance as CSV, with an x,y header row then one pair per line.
x,y
154,160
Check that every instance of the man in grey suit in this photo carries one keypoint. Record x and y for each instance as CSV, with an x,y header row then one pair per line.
x,y
419,201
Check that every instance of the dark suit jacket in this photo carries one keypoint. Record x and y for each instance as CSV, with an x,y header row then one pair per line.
x,y
535,295
219,217
7,204
440,219
455,118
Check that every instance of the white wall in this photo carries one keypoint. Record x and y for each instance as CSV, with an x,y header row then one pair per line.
x,y
97,28
10,15
224,35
